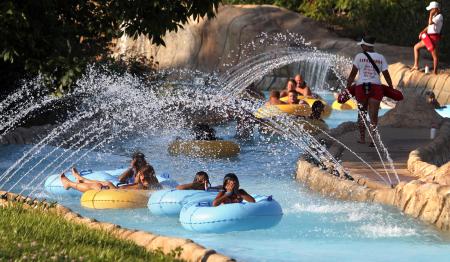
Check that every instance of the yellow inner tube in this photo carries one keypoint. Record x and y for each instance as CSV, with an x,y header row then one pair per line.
x,y
115,198
298,110
310,125
204,148
349,105
276,110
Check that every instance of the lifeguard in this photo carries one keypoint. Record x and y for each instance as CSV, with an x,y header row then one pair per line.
x,y
368,90
430,36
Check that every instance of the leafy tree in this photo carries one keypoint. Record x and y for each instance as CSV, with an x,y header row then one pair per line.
x,y
391,21
57,38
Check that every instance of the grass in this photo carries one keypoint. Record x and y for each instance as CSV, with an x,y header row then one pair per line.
x,y
30,234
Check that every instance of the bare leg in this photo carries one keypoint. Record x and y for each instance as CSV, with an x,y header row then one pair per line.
x,y
362,128
435,60
77,176
84,180
417,48
374,107
82,187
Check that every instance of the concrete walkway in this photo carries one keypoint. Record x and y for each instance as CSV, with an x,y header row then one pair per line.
x,y
399,142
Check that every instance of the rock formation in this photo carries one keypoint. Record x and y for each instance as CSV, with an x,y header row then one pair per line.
x,y
214,45
413,111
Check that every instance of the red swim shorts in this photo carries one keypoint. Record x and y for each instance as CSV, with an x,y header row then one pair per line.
x,y
430,40
375,92
395,94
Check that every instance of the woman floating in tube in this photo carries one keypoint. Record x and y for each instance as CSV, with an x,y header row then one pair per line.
x,y
141,173
231,192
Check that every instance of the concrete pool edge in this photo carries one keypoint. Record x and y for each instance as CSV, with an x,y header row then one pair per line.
x,y
420,198
190,251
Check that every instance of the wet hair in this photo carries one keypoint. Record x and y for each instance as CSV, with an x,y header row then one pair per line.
x,y
275,93
140,159
230,176
204,132
199,175
138,155
317,106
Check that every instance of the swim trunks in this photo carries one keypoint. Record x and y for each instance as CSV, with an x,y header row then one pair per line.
x,y
430,40
362,93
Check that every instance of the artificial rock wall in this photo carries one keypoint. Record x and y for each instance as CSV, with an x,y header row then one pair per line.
x,y
426,198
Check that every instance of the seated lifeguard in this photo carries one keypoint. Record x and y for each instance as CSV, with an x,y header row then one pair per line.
x,y
204,132
274,98
231,192
431,99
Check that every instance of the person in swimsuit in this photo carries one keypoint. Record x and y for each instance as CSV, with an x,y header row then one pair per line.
x,y
204,132
301,87
143,178
431,99
293,99
290,86
138,163
274,98
201,182
317,109
231,192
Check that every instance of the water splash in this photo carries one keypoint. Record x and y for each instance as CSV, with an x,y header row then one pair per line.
x,y
124,105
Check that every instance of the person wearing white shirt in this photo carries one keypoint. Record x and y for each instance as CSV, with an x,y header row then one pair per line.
x,y
430,36
368,90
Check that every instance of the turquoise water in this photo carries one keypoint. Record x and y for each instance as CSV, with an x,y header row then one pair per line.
x,y
313,228
445,112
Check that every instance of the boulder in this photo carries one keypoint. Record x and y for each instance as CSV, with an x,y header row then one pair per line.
x,y
412,112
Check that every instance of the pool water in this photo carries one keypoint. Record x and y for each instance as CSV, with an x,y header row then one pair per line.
x,y
313,228
445,112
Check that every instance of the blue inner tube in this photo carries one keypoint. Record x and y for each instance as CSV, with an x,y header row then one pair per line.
x,y
54,186
202,217
170,202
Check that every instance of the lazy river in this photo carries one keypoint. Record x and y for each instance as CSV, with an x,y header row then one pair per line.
x,y
313,228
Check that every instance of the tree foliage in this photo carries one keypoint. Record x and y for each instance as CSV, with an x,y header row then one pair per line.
x,y
391,21
57,38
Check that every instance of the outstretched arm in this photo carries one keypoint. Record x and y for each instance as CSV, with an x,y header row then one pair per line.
x,y
126,175
246,196
185,186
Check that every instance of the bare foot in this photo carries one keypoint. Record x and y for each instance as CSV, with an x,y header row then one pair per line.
x,y
414,68
77,175
65,181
